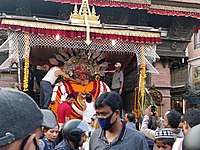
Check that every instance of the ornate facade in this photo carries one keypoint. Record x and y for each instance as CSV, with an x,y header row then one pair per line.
x,y
177,21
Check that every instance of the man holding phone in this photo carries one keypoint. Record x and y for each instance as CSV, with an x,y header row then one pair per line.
x,y
171,120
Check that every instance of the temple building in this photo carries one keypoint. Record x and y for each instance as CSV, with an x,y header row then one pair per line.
x,y
164,28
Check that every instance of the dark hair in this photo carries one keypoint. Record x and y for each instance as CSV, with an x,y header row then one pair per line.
x,y
174,118
166,141
192,117
112,99
70,96
131,117
47,128
60,64
88,97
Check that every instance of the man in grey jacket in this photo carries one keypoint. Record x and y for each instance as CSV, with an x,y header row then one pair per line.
x,y
113,134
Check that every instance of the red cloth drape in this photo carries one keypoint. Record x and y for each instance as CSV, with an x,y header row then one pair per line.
x,y
109,3
133,5
174,13
80,34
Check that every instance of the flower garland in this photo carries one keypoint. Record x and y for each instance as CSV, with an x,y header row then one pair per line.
x,y
26,64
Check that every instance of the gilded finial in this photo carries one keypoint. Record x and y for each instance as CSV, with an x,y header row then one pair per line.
x,y
85,11
78,16
93,11
75,10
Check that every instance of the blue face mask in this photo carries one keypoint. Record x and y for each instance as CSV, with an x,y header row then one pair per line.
x,y
105,122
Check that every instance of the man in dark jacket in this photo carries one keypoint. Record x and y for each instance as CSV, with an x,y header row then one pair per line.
x,y
113,134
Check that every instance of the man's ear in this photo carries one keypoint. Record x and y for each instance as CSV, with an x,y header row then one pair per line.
x,y
187,126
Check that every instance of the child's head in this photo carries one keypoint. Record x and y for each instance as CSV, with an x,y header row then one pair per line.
x,y
164,139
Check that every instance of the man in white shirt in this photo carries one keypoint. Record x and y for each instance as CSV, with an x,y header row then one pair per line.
x,y
88,107
49,80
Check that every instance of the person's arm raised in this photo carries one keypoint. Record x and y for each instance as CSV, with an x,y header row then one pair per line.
x,y
61,73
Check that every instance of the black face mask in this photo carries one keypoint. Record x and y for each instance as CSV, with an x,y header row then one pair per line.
x,y
105,122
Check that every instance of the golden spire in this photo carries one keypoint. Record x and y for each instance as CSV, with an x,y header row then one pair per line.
x,y
75,10
85,10
93,11
79,18
75,13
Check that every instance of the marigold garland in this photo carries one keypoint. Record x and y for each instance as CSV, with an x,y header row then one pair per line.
x,y
26,64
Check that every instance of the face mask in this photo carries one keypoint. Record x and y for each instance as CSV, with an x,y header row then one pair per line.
x,y
105,122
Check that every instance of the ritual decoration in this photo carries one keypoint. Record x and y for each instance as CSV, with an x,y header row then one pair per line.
x,y
142,97
156,96
61,90
88,71
142,78
26,64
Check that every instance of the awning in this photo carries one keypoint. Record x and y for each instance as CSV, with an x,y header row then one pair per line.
x,y
193,100
165,8
133,4
64,28
43,33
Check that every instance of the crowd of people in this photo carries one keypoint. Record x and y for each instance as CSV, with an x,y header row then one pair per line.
x,y
25,126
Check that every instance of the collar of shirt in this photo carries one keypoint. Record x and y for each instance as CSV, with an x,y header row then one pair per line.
x,y
117,139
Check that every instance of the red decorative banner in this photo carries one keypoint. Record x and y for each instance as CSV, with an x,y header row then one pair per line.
x,y
170,11
81,34
109,3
